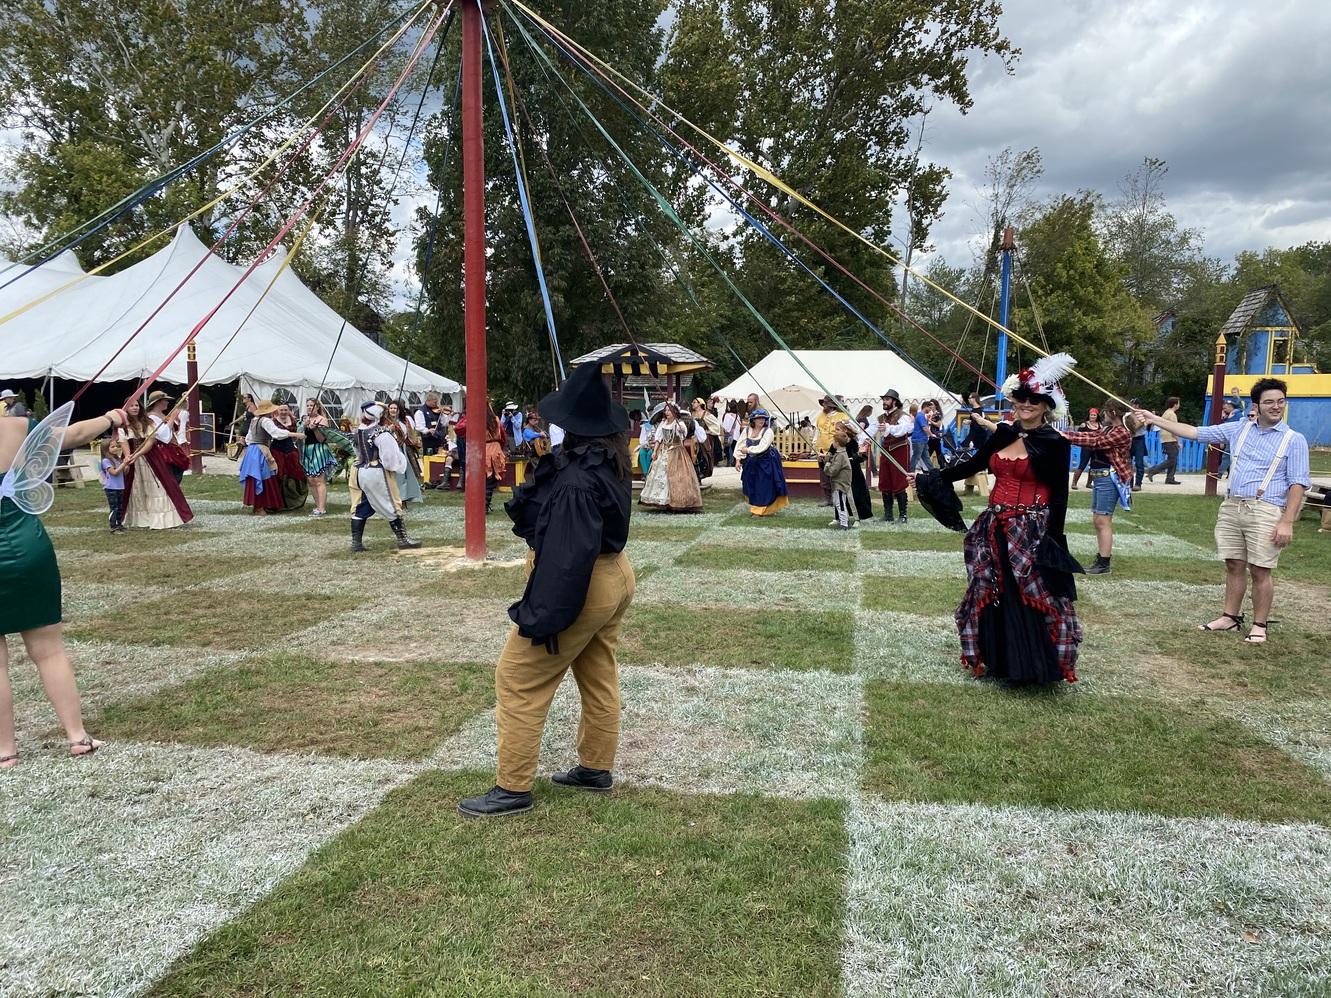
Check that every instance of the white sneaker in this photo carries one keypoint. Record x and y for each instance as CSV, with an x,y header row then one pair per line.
x,y
316,512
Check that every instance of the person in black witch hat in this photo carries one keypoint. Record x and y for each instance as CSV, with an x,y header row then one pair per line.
x,y
574,515
1016,621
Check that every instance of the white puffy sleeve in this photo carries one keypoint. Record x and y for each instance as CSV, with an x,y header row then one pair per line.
x,y
390,454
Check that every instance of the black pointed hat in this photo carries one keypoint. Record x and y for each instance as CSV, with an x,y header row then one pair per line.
x,y
583,405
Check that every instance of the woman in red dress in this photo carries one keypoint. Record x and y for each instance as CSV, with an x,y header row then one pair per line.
x,y
1016,621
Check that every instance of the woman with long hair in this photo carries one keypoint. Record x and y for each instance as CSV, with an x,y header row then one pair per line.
x,y
153,499
573,512
316,457
671,482
1016,622
409,440
1109,472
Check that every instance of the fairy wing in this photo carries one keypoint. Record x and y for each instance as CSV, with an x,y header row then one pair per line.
x,y
36,459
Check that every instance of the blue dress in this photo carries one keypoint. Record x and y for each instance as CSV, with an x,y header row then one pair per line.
x,y
763,479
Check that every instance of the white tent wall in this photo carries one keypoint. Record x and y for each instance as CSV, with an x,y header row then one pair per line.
x,y
859,376
284,335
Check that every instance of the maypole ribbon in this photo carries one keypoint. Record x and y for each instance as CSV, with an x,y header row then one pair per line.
x,y
149,240
434,234
527,215
521,105
359,140
49,251
775,181
679,222
587,68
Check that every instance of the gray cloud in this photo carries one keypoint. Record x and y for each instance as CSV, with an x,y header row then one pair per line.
x,y
1234,96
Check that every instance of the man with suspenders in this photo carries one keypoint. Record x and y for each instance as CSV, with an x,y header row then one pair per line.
x,y
1267,482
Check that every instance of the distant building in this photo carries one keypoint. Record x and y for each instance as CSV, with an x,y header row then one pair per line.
x,y
1260,340
661,370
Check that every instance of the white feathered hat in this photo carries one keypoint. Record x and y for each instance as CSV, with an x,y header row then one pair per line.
x,y
1040,382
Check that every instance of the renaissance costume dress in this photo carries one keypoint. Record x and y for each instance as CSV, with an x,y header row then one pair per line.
x,y
762,477
671,482
1016,621
153,499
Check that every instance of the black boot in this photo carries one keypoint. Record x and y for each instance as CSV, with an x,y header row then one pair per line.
x,y
584,779
400,532
1100,567
498,801
491,484
357,534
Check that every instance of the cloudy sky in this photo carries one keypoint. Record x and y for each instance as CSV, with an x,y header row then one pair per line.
x,y
1235,96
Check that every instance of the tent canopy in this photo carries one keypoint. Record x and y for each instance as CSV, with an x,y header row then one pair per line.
x,y
286,337
859,376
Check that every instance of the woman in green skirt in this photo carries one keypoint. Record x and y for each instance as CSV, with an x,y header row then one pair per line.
x,y
29,576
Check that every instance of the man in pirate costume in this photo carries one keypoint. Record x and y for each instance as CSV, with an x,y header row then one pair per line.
x,y
377,456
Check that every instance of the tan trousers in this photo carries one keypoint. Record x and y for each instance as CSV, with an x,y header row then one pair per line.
x,y
527,676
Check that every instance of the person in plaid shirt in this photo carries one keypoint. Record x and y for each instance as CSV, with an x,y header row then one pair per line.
x,y
1110,474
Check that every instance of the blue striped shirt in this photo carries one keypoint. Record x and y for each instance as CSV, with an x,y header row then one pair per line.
x,y
1254,460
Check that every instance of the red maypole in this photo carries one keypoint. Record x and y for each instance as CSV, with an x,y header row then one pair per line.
x,y
473,195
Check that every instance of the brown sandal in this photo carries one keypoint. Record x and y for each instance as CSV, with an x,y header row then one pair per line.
x,y
88,743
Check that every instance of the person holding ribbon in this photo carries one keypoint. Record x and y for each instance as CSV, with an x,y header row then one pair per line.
x,y
30,603
1267,483
1016,622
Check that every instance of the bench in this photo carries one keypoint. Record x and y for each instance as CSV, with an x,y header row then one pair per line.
x,y
1319,499
69,470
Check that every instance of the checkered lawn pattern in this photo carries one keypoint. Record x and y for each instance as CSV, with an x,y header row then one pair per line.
x,y
961,871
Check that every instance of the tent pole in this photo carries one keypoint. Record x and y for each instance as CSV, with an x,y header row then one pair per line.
x,y
195,412
473,195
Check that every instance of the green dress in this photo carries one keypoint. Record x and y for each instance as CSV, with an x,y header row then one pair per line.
x,y
29,576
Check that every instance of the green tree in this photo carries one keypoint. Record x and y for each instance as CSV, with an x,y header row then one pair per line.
x,y
111,93
1081,303
631,239
1142,235
826,99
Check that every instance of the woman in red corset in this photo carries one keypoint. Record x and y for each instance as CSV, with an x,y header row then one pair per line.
x,y
1016,621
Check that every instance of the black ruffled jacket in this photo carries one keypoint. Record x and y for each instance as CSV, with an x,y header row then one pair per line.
x,y
574,509
1050,456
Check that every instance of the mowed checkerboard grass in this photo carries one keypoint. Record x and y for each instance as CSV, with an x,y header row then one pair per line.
x,y
812,797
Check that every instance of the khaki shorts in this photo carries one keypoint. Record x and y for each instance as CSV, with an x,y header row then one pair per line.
x,y
1243,531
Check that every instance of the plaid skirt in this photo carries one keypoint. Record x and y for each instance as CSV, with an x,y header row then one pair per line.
x,y
1009,620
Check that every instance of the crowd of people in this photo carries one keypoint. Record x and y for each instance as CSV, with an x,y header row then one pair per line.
x,y
1016,621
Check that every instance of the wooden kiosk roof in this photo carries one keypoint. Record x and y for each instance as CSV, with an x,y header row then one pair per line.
x,y
645,359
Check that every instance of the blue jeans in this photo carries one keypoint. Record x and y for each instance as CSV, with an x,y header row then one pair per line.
x,y
115,500
1139,459
1104,495
919,455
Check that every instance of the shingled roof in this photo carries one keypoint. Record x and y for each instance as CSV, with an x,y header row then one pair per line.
x,y
670,353
1253,302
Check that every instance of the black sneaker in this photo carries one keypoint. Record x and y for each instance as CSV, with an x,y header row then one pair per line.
x,y
584,778
498,801
1100,567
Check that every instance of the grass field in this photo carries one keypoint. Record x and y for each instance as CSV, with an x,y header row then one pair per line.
x,y
812,799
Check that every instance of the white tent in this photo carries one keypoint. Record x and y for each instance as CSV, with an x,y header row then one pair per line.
x,y
285,341
860,376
